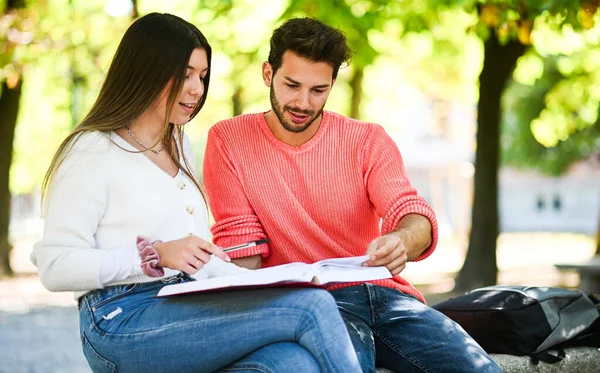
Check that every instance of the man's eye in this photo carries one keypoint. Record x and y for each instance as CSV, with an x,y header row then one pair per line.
x,y
292,85
319,90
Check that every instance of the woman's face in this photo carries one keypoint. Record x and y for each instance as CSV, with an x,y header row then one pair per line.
x,y
191,92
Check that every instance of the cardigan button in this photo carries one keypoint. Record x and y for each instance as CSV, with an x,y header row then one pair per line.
x,y
181,185
190,210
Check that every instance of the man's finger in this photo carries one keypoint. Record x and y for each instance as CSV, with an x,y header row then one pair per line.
x,y
383,257
380,256
373,246
397,265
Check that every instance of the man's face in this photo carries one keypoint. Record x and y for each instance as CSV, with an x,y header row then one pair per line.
x,y
299,90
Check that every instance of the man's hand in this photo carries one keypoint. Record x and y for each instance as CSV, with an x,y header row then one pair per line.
x,y
389,251
412,236
250,262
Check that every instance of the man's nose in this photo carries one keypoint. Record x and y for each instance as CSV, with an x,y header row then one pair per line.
x,y
303,100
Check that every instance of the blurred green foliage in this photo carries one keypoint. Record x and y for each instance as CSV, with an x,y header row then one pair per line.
x,y
62,48
552,107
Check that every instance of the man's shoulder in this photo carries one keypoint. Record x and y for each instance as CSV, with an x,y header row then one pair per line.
x,y
237,124
354,125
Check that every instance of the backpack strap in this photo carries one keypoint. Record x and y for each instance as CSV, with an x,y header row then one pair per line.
x,y
548,357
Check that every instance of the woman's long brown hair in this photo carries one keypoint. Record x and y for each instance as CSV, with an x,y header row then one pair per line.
x,y
154,52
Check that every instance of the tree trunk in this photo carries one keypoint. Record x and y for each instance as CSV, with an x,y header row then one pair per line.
x,y
236,101
356,85
135,11
9,108
480,266
598,237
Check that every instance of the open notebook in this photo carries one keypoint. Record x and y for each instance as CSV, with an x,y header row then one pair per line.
x,y
320,273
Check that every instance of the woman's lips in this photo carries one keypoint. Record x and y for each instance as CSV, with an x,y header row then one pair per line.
x,y
187,108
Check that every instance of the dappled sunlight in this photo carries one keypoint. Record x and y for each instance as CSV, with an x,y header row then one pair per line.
x,y
25,293
523,258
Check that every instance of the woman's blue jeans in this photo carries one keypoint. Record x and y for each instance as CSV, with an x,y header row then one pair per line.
x,y
393,330
125,328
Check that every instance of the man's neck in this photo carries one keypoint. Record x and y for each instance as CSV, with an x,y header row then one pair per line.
x,y
291,138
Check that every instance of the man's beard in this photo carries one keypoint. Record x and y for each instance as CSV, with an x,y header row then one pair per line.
x,y
279,111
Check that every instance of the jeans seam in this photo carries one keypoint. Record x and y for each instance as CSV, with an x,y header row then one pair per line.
x,y
383,303
247,366
86,304
108,364
319,340
401,353
368,289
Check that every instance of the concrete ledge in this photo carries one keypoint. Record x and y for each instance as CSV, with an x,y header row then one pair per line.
x,y
578,360
589,273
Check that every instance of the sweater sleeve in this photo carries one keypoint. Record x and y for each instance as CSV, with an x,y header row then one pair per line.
x,y
235,219
389,188
66,256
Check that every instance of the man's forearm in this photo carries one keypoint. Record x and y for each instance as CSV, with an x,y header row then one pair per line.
x,y
250,262
415,231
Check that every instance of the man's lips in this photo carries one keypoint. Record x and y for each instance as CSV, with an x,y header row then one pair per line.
x,y
298,117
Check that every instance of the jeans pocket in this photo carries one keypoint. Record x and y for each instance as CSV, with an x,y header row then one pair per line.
x,y
96,361
102,297
108,307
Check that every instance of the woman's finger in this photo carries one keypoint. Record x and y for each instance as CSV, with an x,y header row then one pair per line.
x,y
216,250
202,256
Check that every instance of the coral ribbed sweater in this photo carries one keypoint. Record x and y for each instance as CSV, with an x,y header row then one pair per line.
x,y
323,199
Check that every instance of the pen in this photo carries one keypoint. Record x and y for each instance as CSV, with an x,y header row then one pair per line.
x,y
246,245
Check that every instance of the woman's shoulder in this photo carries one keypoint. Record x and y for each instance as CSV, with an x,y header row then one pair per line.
x,y
91,141
86,149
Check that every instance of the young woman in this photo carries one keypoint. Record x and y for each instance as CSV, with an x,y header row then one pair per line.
x,y
125,215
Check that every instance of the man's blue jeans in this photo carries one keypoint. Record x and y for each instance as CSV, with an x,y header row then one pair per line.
x,y
125,328
393,330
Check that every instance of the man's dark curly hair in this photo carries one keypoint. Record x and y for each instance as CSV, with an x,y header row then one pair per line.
x,y
310,39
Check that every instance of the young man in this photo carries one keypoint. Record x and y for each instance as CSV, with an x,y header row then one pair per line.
x,y
318,184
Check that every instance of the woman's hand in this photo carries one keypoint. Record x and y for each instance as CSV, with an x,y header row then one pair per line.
x,y
187,254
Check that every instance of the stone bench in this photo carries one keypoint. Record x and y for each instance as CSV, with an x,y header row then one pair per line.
x,y
578,360
589,274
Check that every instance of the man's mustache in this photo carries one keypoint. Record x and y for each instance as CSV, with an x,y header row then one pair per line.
x,y
299,111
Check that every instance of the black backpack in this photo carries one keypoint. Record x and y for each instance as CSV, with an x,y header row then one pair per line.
x,y
521,320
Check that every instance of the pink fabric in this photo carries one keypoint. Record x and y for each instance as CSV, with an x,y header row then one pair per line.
x,y
323,199
150,257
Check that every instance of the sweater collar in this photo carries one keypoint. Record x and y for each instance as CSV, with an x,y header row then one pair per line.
x,y
296,149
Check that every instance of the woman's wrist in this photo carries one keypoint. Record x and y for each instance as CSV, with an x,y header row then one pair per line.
x,y
150,257
158,246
